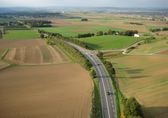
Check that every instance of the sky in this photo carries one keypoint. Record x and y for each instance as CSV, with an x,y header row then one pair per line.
x,y
85,3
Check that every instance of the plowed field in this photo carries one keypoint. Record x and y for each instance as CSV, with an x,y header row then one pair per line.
x,y
55,91
14,43
36,56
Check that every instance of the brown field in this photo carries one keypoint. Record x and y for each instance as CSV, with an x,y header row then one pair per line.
x,y
3,64
155,23
165,52
62,23
145,78
34,56
55,91
162,34
2,51
7,32
82,30
14,43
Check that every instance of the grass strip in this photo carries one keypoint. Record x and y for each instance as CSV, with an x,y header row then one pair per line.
x,y
1,57
45,54
67,54
96,111
62,57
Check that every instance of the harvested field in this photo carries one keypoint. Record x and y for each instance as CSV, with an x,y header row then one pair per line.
x,y
62,23
14,43
7,32
162,34
35,56
3,64
82,30
56,91
165,52
145,78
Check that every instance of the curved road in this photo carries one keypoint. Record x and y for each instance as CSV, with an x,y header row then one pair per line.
x,y
107,101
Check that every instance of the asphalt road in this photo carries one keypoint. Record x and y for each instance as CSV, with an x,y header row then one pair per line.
x,y
107,101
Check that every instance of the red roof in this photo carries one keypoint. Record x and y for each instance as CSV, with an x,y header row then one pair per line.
x,y
140,34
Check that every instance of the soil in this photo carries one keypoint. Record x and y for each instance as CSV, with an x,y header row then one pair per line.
x,y
165,52
2,51
3,64
14,43
7,32
34,56
55,91
82,30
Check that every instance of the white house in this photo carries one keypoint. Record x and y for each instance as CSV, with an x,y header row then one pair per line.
x,y
138,35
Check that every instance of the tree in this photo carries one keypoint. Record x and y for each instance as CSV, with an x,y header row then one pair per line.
x,y
99,33
100,54
93,74
42,35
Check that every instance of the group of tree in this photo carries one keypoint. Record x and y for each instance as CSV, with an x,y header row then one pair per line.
x,y
107,64
148,40
16,27
85,35
38,23
99,33
77,55
110,32
136,23
158,29
132,108
0,34
84,19
128,33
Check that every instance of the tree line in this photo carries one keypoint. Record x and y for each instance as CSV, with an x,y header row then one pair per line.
x,y
136,23
77,55
85,35
38,23
158,29
0,34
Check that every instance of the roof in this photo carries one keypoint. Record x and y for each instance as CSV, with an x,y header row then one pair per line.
x,y
140,34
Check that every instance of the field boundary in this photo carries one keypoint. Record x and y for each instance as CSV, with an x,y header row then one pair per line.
x,y
1,57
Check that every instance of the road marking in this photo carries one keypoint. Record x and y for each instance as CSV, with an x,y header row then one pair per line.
x,y
113,110
111,101
111,97
112,105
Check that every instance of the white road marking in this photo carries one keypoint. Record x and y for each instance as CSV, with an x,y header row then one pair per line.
x,y
112,105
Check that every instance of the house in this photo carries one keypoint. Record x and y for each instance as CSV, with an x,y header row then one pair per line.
x,y
138,35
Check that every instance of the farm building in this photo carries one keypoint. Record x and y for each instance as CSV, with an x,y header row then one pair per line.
x,y
138,35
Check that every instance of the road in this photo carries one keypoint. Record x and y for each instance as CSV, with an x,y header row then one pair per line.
x,y
107,101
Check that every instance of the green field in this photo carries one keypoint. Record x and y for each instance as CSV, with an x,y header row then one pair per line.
x,y
108,42
20,34
145,78
150,47
66,31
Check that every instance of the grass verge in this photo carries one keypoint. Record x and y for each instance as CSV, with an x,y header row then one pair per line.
x,y
1,57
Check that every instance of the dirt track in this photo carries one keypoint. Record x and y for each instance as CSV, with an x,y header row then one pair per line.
x,y
57,91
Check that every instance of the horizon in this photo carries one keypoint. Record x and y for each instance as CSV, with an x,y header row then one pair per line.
x,y
87,3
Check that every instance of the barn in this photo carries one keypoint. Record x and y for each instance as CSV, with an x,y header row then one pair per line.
x,y
138,35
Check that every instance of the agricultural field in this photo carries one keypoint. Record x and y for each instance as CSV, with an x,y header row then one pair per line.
x,y
108,42
145,78
161,34
68,31
55,91
20,34
36,55
15,43
150,47
7,19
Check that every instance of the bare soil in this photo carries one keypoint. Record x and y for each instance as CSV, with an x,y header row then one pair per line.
x,y
165,52
2,51
57,91
82,30
34,56
14,43
162,34
3,64
7,32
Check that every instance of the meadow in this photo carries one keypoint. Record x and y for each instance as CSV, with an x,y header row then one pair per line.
x,y
145,78
150,47
20,34
108,42
66,31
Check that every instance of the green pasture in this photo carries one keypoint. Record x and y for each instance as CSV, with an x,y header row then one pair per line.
x,y
66,31
19,34
7,19
155,26
108,42
151,47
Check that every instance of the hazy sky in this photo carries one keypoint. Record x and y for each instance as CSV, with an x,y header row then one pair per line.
x,y
84,3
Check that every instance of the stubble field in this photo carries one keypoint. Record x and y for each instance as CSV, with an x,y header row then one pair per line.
x,y
145,78
57,91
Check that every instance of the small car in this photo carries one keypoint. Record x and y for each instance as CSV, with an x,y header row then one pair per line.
x,y
108,93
